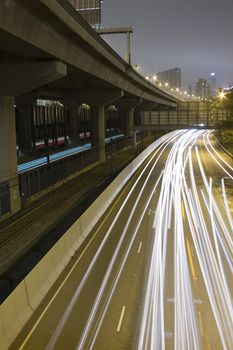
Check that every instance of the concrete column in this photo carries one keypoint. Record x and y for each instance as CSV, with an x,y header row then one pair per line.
x,y
24,126
129,121
149,129
8,164
128,48
98,129
73,127
72,104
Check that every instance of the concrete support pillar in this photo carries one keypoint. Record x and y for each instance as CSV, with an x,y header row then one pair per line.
x,y
73,104
98,129
98,100
24,126
149,129
8,163
129,121
73,127
128,48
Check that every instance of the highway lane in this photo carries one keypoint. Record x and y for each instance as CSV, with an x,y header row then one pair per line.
x,y
157,270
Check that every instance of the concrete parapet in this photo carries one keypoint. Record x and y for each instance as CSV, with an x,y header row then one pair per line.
x,y
14,313
32,284
8,164
5,342
75,234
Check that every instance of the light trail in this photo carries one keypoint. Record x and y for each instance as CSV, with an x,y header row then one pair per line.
x,y
211,150
86,332
52,342
226,204
152,332
175,189
191,246
210,263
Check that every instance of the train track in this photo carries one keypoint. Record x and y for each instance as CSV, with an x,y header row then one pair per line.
x,y
71,191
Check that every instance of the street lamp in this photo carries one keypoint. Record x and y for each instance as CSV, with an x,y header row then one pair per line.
x,y
221,95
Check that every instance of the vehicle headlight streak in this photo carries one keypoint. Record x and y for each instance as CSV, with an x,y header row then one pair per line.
x,y
226,234
52,342
211,263
226,205
86,332
174,189
180,205
210,148
152,332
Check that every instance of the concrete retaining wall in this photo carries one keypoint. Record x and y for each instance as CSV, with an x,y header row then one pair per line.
x,y
19,306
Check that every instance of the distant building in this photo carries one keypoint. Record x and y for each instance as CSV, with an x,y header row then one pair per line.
x,y
90,11
212,84
202,88
171,76
190,89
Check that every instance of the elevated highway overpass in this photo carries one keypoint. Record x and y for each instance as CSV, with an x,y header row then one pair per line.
x,y
51,36
48,51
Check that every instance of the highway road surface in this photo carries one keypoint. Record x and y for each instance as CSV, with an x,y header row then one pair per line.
x,y
156,271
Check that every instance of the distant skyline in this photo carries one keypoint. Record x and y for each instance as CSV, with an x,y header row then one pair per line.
x,y
195,36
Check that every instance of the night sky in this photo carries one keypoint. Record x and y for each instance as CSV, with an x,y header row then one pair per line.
x,y
195,35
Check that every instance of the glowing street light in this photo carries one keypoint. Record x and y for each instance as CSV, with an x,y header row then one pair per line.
x,y
221,95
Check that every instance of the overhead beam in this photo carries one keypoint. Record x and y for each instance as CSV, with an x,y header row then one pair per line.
x,y
98,98
128,102
117,30
147,106
123,30
19,78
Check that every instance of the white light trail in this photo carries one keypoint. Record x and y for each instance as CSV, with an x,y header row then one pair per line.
x,y
52,342
190,213
152,331
208,251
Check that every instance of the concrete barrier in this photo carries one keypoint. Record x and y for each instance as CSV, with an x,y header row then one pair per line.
x,y
45,273
14,313
20,300
85,223
76,235
4,341
33,288
19,306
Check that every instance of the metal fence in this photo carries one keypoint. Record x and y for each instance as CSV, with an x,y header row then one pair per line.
x,y
188,115
37,180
